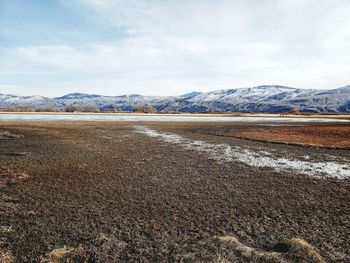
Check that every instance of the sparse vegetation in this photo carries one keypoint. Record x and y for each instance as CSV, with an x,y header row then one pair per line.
x,y
65,255
18,109
7,257
46,110
73,108
111,108
294,250
9,135
302,251
252,254
90,109
144,109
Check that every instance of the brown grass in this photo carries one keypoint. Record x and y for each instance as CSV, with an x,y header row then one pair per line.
x,y
8,135
303,251
6,257
250,253
297,250
8,173
65,255
335,137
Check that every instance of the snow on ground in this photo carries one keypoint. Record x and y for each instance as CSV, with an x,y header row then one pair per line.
x,y
225,152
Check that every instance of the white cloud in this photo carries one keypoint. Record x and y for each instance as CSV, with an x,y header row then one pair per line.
x,y
169,47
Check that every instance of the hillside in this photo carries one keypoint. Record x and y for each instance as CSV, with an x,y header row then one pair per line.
x,y
268,99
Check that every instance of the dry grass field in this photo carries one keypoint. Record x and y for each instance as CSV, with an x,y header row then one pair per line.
x,y
165,192
324,136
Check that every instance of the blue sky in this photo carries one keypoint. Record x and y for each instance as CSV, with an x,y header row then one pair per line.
x,y
168,47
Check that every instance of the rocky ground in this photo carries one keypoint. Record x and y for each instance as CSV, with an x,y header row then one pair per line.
x,y
113,192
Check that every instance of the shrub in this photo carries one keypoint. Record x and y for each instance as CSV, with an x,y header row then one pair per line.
x,y
144,109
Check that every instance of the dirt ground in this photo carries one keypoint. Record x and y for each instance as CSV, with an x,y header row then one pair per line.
x,y
100,192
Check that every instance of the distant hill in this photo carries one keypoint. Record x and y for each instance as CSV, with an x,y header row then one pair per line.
x,y
260,99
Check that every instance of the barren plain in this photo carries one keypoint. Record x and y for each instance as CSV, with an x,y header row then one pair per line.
x,y
171,192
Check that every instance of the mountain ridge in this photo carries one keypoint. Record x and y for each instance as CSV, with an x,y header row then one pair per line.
x,y
265,98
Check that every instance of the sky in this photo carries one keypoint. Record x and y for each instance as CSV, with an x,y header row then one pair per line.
x,y
171,47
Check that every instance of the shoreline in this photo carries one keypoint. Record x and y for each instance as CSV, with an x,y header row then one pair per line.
x,y
263,115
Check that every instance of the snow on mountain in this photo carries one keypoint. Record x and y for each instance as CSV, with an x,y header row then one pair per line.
x,y
272,99
245,94
8,101
78,96
190,95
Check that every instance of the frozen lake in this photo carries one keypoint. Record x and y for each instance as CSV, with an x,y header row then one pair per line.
x,y
154,118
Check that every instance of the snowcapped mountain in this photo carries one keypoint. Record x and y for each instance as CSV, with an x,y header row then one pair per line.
x,y
270,99
12,101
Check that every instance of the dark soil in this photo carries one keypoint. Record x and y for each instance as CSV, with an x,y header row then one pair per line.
x,y
119,196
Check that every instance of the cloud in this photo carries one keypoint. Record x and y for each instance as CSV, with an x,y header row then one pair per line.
x,y
168,47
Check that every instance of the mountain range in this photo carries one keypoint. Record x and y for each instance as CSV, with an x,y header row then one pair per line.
x,y
260,99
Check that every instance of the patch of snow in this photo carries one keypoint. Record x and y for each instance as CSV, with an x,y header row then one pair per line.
x,y
225,152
